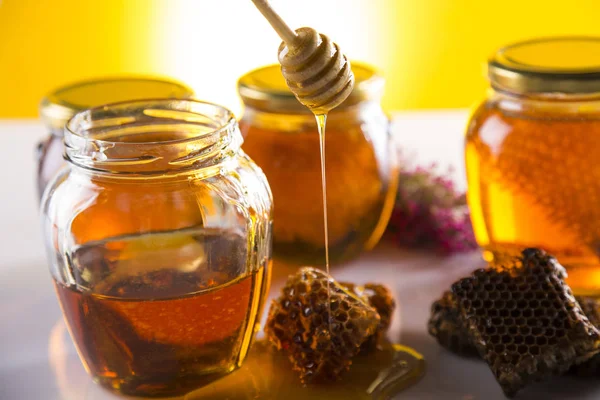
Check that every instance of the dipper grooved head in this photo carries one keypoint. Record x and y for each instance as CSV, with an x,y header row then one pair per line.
x,y
316,71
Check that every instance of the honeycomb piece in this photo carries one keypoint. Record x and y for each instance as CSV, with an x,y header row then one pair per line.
x,y
445,325
319,338
591,367
524,320
379,297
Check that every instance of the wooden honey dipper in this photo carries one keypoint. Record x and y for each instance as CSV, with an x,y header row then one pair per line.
x,y
314,68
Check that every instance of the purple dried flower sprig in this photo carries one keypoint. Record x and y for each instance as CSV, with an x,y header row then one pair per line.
x,y
430,213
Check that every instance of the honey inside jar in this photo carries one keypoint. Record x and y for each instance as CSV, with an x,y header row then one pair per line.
x,y
531,155
136,343
281,136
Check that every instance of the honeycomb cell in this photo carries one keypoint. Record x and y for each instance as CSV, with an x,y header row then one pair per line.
x,y
530,340
303,324
518,339
542,341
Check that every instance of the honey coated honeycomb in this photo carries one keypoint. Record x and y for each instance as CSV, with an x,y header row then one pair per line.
x,y
319,338
379,297
524,320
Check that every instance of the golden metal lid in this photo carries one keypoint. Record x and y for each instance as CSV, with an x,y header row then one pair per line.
x,y
265,89
60,105
561,65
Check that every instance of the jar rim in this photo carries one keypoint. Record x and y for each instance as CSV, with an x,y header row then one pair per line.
x,y
171,133
265,89
567,65
64,102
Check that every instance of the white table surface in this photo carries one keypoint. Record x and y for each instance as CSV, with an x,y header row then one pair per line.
x,y
38,360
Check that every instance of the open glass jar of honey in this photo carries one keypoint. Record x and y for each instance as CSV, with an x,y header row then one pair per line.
x,y
532,151
158,234
281,136
64,102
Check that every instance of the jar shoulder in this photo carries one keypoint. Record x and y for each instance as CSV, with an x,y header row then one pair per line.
x,y
500,111
367,117
90,207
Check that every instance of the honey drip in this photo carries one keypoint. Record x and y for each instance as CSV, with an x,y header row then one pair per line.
x,y
321,123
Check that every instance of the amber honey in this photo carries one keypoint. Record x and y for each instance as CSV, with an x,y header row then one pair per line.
x,y
356,192
534,182
163,331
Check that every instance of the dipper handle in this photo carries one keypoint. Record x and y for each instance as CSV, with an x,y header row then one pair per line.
x,y
314,68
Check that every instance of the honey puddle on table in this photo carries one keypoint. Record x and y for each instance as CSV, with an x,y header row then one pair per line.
x,y
267,375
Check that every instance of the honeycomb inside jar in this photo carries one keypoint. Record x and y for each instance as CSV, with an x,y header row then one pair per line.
x,y
361,182
534,182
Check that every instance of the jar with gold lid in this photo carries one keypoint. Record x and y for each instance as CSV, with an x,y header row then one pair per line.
x,y
281,137
66,101
532,151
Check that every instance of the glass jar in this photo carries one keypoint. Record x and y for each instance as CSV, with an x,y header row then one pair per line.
x,y
60,105
281,136
158,237
531,155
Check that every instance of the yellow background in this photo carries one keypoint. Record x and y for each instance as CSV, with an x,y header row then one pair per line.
x,y
432,51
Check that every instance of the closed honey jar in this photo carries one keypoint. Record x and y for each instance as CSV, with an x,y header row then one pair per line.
x,y
532,151
360,162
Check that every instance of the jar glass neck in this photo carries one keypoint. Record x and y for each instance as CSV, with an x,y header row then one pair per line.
x,y
291,121
555,103
151,137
